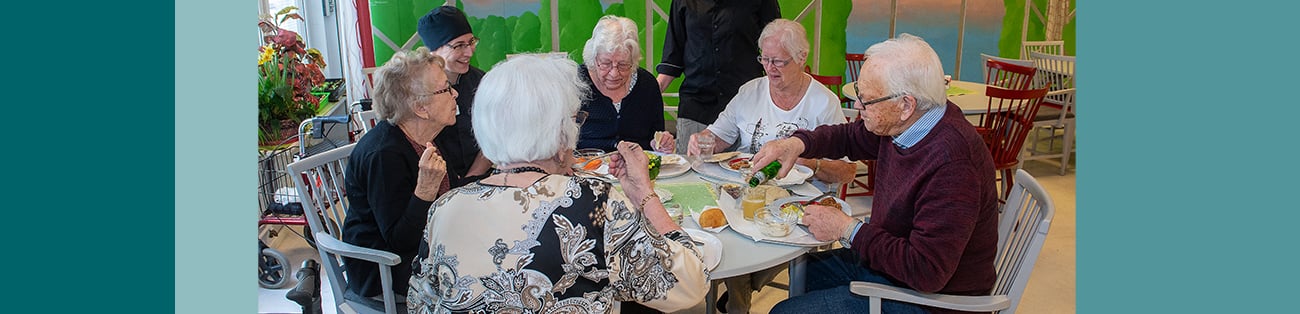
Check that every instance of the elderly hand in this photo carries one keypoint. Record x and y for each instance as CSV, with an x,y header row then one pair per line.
x,y
664,142
632,168
786,150
826,223
432,169
693,145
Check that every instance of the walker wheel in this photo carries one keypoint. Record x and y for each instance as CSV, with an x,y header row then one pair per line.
x,y
272,269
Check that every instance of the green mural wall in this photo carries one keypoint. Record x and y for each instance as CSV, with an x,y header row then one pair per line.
x,y
530,30
1009,45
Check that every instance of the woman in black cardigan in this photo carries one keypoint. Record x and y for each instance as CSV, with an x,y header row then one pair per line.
x,y
628,105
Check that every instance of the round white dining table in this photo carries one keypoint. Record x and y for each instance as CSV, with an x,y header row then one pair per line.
x,y
972,102
740,254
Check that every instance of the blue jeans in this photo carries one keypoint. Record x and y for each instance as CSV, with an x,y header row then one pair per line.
x,y
827,286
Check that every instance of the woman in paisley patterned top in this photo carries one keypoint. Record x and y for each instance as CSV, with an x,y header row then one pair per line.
x,y
532,238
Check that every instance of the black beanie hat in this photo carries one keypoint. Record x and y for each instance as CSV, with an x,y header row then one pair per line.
x,y
441,25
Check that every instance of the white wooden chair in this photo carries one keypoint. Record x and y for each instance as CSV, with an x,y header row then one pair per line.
x,y
368,119
1022,229
319,179
1057,113
1055,47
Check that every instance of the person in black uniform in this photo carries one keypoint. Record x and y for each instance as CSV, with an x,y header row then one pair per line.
x,y
446,32
705,41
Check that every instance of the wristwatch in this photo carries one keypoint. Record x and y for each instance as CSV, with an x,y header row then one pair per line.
x,y
677,235
846,239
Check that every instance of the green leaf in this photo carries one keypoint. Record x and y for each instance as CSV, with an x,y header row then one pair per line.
x,y
286,10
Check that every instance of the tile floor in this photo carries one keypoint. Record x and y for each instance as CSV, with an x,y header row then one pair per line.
x,y
1051,287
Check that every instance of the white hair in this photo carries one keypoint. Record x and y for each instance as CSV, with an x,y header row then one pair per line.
x,y
524,109
907,64
790,35
401,82
612,33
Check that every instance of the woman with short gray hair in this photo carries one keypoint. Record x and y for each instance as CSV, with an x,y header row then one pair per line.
x,y
626,104
394,172
531,237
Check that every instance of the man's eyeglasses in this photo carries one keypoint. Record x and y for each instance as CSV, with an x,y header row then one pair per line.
x,y
864,104
580,117
774,61
607,65
473,42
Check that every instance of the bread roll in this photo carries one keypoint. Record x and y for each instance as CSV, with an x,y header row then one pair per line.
x,y
712,218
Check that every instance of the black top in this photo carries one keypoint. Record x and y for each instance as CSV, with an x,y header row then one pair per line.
x,y
456,142
716,44
385,214
642,114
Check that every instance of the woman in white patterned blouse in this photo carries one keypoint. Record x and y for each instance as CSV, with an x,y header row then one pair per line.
x,y
533,238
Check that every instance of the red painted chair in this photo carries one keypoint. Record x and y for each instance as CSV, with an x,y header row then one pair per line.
x,y
865,178
834,83
1008,119
854,64
1007,75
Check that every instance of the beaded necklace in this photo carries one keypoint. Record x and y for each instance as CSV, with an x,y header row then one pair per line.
x,y
505,180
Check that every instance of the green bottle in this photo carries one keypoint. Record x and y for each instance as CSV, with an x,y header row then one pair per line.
x,y
767,173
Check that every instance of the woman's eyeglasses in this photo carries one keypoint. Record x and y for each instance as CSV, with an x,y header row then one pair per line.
x,y
473,42
774,61
607,65
440,91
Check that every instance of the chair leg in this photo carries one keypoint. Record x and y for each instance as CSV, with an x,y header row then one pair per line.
x,y
1005,190
1067,146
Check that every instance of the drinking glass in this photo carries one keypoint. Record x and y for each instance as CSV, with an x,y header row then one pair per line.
x,y
754,200
675,212
705,144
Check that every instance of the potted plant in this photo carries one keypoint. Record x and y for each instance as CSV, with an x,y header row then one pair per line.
x,y
287,71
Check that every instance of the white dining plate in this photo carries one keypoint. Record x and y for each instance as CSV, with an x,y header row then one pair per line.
x,y
711,249
782,201
672,165
729,163
797,175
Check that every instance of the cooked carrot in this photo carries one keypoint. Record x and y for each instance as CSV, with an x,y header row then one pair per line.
x,y
592,165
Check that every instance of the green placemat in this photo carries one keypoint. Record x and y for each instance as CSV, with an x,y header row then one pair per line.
x,y
954,90
693,196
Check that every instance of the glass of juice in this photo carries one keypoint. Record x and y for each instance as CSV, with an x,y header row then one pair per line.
x,y
754,200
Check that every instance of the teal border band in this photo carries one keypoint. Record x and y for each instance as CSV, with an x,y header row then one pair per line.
x,y
87,157
1186,164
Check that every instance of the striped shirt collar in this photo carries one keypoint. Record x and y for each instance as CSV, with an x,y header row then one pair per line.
x,y
918,130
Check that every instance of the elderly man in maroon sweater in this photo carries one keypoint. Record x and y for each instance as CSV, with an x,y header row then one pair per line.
x,y
933,224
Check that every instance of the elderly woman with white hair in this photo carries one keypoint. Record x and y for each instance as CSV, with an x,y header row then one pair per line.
x,y
395,173
772,107
531,237
627,104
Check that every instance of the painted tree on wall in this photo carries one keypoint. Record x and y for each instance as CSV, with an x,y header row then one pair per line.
x,y
576,19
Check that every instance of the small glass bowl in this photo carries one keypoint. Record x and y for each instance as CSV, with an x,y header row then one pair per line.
x,y
772,224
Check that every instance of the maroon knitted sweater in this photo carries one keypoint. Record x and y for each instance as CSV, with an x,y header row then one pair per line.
x,y
934,216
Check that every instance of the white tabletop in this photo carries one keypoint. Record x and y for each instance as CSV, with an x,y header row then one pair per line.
x,y
974,102
740,255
